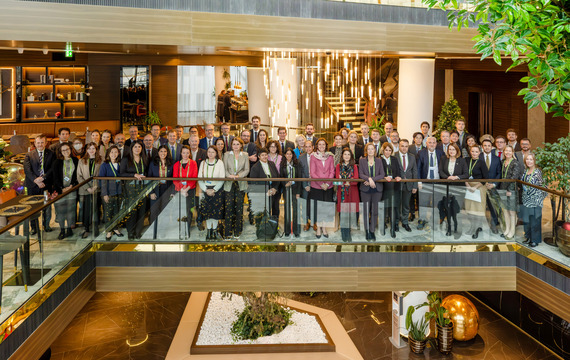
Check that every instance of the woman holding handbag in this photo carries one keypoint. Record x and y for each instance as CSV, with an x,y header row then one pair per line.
x,y
371,170
291,169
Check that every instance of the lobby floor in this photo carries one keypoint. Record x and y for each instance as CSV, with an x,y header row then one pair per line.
x,y
102,327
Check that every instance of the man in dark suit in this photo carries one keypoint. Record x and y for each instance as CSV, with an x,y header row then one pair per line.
x,y
148,149
445,141
63,134
305,161
388,128
120,142
38,167
525,150
376,141
174,148
512,140
500,144
133,136
493,164
157,139
460,127
249,147
428,168
227,106
225,135
255,122
408,170
310,132
365,137
284,144
196,153
210,139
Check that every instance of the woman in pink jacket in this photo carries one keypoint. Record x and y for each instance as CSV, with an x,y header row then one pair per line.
x,y
322,167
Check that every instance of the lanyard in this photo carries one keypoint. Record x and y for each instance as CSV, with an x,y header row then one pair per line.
x,y
291,171
66,170
372,169
528,176
472,166
137,167
113,169
208,168
92,167
505,171
187,169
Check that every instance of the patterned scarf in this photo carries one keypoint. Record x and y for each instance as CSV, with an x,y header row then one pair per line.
x,y
346,172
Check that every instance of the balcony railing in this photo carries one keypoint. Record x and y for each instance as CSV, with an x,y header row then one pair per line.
x,y
36,262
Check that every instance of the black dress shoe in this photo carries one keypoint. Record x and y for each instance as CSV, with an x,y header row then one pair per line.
x,y
118,233
448,233
48,229
69,233
372,236
397,228
33,232
412,217
367,235
61,235
407,227
85,235
494,230
476,235
393,234
533,244
526,241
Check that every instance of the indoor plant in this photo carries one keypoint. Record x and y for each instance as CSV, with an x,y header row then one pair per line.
x,y
554,161
151,119
416,331
450,113
443,323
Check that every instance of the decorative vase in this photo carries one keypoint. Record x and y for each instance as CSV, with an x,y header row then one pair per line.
x,y
417,347
444,338
562,238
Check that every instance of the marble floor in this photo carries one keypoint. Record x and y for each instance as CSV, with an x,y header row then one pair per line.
x,y
109,321
103,326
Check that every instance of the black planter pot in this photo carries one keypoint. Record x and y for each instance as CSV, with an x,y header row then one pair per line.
x,y
562,237
444,338
417,347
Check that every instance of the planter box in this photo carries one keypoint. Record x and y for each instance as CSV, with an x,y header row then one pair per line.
x,y
261,348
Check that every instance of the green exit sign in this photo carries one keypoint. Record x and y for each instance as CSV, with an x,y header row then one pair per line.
x,y
68,50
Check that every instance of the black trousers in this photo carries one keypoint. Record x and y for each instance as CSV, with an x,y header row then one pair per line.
x,y
90,215
135,219
234,199
111,209
190,203
156,206
291,213
404,208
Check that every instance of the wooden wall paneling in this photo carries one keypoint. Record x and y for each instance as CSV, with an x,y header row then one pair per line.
x,y
37,58
438,94
105,101
543,294
28,128
305,279
176,60
509,110
556,127
164,93
113,125
52,327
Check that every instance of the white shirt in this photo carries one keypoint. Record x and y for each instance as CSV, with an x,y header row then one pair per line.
x,y
265,167
365,140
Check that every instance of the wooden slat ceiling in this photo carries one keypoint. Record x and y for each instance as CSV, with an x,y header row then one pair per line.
x,y
121,30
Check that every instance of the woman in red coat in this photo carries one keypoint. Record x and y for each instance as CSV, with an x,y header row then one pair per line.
x,y
186,168
347,193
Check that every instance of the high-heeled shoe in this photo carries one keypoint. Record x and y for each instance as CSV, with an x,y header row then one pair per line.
x,y
109,236
118,233
325,235
448,233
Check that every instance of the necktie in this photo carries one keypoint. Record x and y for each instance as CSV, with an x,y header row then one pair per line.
x,y
172,151
404,161
41,163
209,143
500,153
488,162
226,141
148,153
254,136
283,148
431,173
365,141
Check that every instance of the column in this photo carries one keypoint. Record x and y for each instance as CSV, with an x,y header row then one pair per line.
x,y
415,95
258,104
283,80
220,82
448,84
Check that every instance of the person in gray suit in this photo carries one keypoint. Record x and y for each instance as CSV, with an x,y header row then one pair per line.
x,y
408,170
304,160
225,135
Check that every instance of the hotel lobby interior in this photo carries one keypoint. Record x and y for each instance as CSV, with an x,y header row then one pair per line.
x,y
353,279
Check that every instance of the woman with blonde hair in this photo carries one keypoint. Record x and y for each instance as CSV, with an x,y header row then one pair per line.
x,y
300,142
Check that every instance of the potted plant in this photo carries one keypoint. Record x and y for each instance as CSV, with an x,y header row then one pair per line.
x,y
417,338
377,123
443,324
450,113
151,119
554,161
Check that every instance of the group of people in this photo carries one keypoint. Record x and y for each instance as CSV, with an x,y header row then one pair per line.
x,y
384,166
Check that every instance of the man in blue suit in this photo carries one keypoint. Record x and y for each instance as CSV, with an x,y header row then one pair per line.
x,y
493,164
428,168
158,140
174,148
210,139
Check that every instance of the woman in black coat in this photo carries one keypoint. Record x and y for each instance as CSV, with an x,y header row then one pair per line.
x,y
291,169
452,167
370,170
391,196
135,165
476,209
160,166
64,178
265,190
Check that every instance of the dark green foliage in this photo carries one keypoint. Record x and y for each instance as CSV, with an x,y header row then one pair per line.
x,y
262,316
450,113
533,33
416,330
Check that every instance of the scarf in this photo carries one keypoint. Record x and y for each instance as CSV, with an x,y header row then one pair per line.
x,y
322,156
337,155
346,172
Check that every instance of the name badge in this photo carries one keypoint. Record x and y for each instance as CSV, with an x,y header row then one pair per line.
x,y
66,178
471,177
164,182
184,183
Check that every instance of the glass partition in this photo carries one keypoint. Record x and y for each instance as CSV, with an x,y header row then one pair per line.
x,y
280,210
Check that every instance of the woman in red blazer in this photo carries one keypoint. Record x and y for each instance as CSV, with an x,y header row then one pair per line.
x,y
347,194
186,168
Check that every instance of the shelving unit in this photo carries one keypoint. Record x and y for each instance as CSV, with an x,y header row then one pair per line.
x,y
69,82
